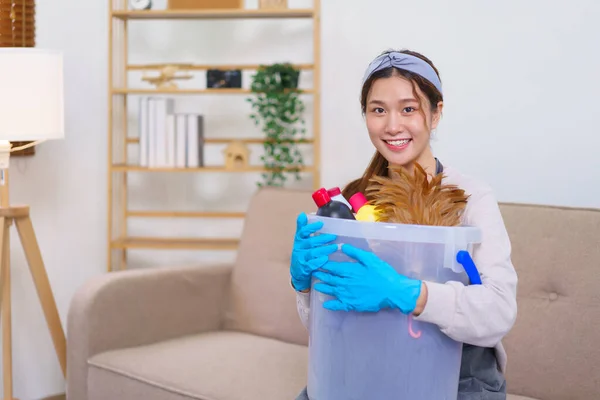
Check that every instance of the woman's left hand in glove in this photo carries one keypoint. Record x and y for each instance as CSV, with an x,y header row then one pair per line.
x,y
368,285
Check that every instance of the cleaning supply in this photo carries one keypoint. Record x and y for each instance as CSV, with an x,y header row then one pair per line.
x,y
413,198
336,194
330,208
364,211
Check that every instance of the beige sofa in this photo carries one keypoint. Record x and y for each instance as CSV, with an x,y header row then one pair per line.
x,y
231,332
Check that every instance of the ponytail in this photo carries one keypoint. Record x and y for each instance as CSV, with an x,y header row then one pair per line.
x,y
377,167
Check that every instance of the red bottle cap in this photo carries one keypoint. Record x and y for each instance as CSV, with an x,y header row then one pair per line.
x,y
321,197
357,200
334,191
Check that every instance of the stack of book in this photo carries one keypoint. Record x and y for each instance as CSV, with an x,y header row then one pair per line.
x,y
169,139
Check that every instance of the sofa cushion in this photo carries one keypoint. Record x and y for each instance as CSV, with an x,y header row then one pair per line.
x,y
211,366
553,350
262,300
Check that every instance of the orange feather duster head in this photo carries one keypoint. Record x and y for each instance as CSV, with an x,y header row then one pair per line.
x,y
416,198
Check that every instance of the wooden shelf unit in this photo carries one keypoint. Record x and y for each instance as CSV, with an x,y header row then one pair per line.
x,y
229,140
199,67
119,141
216,14
183,214
250,168
190,91
176,243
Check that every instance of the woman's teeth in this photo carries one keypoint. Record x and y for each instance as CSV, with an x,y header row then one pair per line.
x,y
398,142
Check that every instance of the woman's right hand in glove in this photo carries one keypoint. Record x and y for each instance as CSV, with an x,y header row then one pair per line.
x,y
309,252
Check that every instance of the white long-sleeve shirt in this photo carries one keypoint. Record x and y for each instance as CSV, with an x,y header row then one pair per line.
x,y
480,315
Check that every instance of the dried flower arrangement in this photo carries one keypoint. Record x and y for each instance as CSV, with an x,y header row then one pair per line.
x,y
415,198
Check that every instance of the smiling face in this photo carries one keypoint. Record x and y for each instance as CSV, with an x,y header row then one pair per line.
x,y
399,120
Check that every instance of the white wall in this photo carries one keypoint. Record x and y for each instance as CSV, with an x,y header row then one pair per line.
x,y
520,87
520,84
64,183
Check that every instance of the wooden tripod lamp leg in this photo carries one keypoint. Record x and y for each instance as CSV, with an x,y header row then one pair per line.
x,y
3,235
6,308
42,285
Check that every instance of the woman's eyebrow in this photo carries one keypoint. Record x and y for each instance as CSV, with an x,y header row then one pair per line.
x,y
406,100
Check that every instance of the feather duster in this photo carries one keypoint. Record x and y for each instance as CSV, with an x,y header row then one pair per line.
x,y
415,199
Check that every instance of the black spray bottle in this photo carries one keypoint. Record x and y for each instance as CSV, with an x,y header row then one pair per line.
x,y
330,208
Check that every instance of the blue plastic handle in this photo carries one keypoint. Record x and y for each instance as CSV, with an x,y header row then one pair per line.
x,y
464,258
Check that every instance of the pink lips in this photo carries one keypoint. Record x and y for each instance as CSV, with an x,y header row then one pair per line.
x,y
397,148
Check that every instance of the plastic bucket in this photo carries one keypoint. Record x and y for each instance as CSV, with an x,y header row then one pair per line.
x,y
388,355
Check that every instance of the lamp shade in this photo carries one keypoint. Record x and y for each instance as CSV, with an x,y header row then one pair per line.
x,y
31,94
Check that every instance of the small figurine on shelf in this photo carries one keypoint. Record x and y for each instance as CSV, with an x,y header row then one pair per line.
x,y
236,155
165,79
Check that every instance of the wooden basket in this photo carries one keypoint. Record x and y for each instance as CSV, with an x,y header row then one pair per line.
x,y
17,23
273,4
205,4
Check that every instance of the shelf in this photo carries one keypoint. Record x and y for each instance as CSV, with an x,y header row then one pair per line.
x,y
202,67
252,168
125,86
213,14
229,140
184,214
176,243
193,91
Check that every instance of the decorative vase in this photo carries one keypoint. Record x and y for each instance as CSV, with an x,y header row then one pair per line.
x,y
273,4
17,23
290,80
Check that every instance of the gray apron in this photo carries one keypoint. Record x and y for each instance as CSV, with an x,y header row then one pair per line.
x,y
480,376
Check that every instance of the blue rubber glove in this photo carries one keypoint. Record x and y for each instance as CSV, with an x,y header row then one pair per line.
x,y
368,285
309,252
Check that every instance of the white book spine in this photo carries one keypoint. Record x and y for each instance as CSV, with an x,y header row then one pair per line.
x,y
193,158
180,141
143,132
200,140
170,128
152,145
161,133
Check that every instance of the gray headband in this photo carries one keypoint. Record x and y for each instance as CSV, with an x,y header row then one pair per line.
x,y
406,62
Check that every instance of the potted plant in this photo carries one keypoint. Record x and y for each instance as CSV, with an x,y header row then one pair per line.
x,y
278,108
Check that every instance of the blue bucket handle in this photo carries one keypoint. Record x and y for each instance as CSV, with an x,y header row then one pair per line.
x,y
464,258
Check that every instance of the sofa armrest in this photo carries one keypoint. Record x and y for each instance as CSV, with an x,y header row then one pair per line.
x,y
137,307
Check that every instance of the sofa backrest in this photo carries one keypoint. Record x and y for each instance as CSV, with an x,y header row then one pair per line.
x,y
262,300
554,347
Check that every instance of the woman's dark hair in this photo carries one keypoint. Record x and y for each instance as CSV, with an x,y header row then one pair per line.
x,y
379,165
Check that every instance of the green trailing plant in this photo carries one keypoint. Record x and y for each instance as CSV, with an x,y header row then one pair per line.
x,y
278,109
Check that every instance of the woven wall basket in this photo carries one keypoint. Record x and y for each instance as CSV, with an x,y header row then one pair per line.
x,y
205,4
277,4
17,23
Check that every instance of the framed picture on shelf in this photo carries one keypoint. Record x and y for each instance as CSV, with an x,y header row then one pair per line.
x,y
216,78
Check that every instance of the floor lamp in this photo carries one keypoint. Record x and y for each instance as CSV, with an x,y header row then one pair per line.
x,y
31,110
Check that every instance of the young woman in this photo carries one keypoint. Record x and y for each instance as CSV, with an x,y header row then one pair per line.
x,y
402,103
